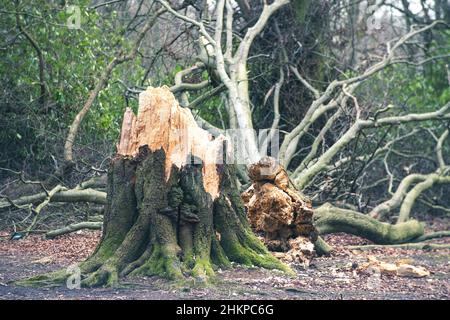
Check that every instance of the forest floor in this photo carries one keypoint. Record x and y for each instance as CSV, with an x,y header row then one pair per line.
x,y
332,277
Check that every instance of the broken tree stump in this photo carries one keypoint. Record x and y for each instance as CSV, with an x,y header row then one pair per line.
x,y
278,211
173,207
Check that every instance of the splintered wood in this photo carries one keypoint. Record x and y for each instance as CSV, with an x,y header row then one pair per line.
x,y
401,268
162,123
280,212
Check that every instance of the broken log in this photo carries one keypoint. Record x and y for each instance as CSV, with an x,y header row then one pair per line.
x,y
71,195
282,214
72,228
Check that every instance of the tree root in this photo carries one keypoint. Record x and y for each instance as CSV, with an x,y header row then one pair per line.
x,y
163,262
107,275
51,279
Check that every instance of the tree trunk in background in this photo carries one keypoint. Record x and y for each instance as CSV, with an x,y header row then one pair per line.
x,y
171,209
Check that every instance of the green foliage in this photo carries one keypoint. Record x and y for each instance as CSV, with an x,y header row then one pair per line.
x,y
74,60
301,8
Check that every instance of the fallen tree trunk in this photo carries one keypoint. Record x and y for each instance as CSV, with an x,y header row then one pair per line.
x,y
330,219
72,228
171,209
282,213
71,195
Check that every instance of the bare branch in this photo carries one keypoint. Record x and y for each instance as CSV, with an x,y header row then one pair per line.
x,y
268,11
439,146
194,22
314,91
305,176
414,193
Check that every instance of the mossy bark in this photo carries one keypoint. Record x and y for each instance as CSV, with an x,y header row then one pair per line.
x,y
330,219
171,228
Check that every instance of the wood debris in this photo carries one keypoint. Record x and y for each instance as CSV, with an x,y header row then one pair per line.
x,y
280,212
401,268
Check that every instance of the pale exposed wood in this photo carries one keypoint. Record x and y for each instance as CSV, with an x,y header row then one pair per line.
x,y
162,123
401,268
280,212
406,270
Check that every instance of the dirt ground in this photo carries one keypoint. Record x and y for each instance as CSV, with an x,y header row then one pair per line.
x,y
333,277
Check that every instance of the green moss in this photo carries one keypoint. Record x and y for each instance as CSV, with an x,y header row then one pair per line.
x,y
246,256
175,197
188,260
248,239
163,262
51,279
203,269
108,246
106,276
218,256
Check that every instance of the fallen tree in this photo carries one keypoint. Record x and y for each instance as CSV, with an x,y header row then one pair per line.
x,y
74,227
283,214
335,119
329,219
64,195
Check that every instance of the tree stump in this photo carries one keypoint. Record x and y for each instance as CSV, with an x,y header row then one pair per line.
x,y
282,214
173,209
